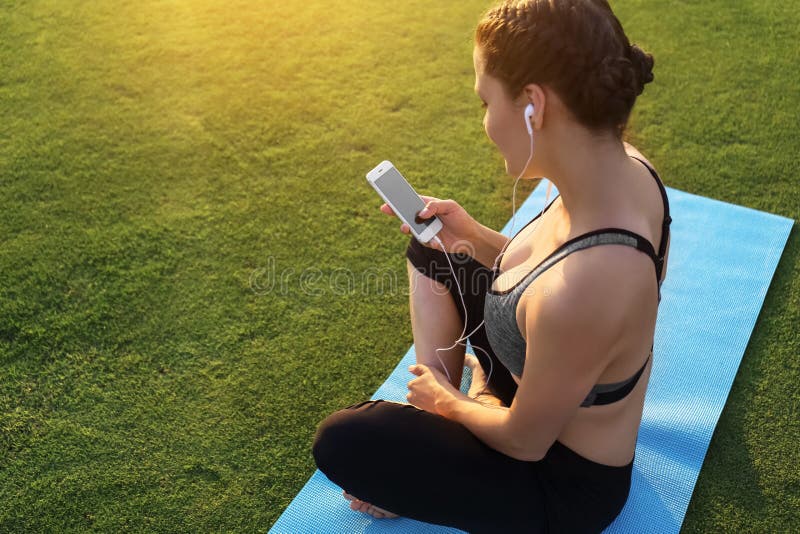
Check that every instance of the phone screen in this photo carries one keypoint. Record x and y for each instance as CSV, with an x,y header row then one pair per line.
x,y
405,200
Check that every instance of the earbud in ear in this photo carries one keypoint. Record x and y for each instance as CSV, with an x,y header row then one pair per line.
x,y
528,115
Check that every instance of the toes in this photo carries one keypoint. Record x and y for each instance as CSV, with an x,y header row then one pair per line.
x,y
358,505
381,513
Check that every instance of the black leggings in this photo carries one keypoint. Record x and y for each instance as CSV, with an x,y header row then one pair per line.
x,y
426,467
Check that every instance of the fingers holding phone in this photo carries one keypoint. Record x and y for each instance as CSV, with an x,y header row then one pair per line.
x,y
405,228
458,227
402,201
422,216
387,209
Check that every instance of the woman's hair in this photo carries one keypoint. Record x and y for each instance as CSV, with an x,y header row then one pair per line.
x,y
575,47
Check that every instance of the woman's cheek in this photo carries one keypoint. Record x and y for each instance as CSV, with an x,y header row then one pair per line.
x,y
488,126
495,132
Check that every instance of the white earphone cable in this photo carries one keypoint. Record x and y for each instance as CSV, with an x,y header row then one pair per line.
x,y
495,267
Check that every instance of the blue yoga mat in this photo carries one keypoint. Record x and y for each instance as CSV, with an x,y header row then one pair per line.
x,y
721,261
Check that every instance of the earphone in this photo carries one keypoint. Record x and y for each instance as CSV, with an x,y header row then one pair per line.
x,y
528,113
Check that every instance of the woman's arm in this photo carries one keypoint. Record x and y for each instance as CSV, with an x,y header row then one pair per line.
x,y
575,328
488,423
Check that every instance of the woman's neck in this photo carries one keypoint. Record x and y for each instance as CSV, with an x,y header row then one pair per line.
x,y
588,172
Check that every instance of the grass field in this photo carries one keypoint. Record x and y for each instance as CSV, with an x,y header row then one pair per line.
x,y
171,172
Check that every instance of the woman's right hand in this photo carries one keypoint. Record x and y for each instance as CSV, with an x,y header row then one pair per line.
x,y
458,227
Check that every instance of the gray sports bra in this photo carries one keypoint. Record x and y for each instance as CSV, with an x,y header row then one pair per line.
x,y
500,307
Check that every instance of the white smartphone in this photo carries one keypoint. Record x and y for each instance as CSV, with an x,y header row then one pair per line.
x,y
401,197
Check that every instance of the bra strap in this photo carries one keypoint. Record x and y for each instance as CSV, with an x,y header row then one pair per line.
x,y
608,393
662,246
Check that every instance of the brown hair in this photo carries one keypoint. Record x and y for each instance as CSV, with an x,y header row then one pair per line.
x,y
575,47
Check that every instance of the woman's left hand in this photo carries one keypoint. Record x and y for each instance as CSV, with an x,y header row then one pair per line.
x,y
428,388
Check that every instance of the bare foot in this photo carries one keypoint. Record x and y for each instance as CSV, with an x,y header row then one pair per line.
x,y
367,508
477,389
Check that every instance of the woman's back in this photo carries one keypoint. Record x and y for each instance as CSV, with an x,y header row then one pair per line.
x,y
539,265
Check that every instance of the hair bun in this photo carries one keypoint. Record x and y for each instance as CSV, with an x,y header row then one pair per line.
x,y
643,63
576,48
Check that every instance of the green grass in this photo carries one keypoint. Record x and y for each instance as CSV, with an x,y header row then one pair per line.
x,y
159,159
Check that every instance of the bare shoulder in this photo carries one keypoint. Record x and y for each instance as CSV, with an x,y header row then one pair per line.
x,y
584,313
633,151
656,222
596,288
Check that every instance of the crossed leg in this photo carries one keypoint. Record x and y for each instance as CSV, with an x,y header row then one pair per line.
x,y
437,320
435,323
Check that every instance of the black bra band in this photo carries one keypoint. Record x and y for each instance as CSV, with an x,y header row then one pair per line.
x,y
599,395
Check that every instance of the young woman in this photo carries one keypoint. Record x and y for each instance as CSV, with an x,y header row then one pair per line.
x,y
568,314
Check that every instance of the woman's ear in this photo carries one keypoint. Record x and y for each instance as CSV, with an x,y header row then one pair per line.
x,y
535,94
